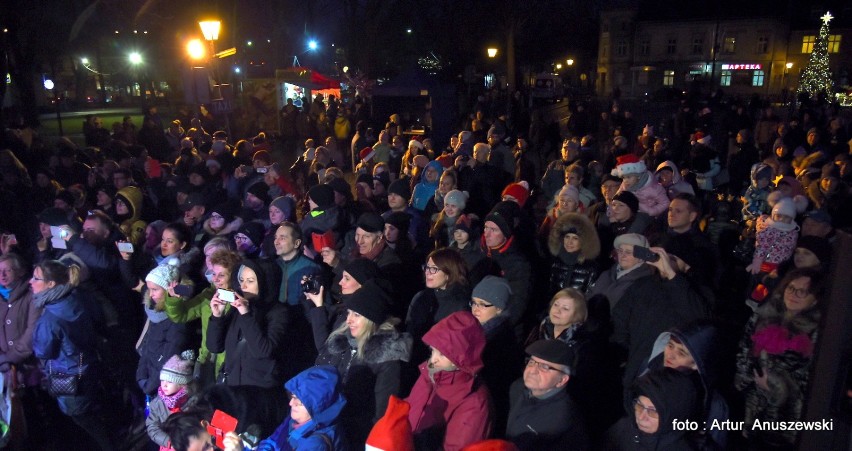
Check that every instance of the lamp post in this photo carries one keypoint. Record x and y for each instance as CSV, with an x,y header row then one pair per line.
x,y
210,29
492,53
135,59
787,68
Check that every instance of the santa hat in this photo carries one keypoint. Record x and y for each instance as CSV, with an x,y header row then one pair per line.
x,y
393,431
629,164
701,138
416,144
367,153
520,191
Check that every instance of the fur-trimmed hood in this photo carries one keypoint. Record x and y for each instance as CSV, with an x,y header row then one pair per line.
x,y
382,346
229,228
591,246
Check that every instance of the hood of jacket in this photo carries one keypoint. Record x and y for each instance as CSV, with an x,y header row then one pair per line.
x,y
676,178
701,340
132,196
318,388
590,246
69,309
675,395
268,279
461,339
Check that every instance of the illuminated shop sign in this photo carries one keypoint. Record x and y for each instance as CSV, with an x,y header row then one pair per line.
x,y
741,67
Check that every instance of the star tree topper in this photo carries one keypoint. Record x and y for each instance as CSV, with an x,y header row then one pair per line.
x,y
827,17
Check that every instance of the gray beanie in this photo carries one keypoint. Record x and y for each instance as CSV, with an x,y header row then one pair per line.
x,y
494,290
457,198
179,368
631,238
165,273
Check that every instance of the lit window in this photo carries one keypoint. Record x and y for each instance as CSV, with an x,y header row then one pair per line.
x,y
808,44
833,43
763,44
757,78
730,44
668,78
671,47
726,78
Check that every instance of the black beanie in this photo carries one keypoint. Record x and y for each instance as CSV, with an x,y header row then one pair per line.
x,y
322,195
253,230
362,270
228,210
261,191
365,178
399,219
340,186
628,199
400,188
371,302
505,216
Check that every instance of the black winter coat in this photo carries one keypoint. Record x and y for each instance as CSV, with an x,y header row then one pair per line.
x,y
544,424
579,275
161,341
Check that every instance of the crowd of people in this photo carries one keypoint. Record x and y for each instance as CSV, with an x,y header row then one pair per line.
x,y
433,295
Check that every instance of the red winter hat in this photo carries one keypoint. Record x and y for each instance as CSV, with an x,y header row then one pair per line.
x,y
446,160
393,431
519,191
366,153
628,164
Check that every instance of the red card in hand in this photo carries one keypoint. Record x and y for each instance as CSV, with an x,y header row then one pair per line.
x,y
321,240
221,424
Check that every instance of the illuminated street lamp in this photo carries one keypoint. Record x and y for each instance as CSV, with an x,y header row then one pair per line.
x,y
492,52
558,66
569,61
135,58
789,66
312,44
195,49
85,61
210,29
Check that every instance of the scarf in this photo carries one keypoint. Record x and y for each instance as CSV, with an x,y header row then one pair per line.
x,y
4,292
51,295
569,258
153,315
174,401
377,249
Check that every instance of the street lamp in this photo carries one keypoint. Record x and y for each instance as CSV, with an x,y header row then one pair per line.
x,y
85,61
210,29
195,49
135,58
569,61
492,52
312,44
558,66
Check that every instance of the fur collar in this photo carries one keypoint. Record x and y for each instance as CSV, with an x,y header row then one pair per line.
x,y
382,346
229,228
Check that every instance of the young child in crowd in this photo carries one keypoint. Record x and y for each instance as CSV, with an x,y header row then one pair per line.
x,y
775,239
175,389
756,194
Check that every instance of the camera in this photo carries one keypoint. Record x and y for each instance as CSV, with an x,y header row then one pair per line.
x,y
311,285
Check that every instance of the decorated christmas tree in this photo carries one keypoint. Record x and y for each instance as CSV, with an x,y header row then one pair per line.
x,y
816,77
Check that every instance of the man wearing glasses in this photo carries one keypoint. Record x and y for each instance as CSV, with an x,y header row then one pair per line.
x,y
542,414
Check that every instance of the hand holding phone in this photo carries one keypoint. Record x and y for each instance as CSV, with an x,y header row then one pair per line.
x,y
226,295
643,253
124,246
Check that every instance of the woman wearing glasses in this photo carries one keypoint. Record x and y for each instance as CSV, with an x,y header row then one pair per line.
x,y
659,398
776,354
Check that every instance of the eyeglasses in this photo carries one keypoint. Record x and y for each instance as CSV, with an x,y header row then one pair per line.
x,y
430,269
216,217
542,366
474,304
798,292
638,407
240,238
627,252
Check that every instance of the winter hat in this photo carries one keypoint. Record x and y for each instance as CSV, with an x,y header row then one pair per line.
x,y
367,153
153,168
341,186
457,198
505,216
761,171
53,216
179,368
263,156
610,178
556,351
497,129
785,207
701,138
628,199
371,222
648,130
465,224
228,210
365,178
399,219
520,191
322,195
200,169
260,190
494,290
109,190
571,192
254,231
393,431
620,142
830,170
193,200
362,270
67,197
371,302
383,178
400,187
465,136
819,246
634,239
165,273
416,144
284,203
629,164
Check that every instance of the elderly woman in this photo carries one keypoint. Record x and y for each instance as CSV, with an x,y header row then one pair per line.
x,y
19,319
575,246
776,355
369,354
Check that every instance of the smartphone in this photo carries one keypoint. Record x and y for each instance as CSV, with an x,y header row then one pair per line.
x,y
57,237
226,295
125,247
184,290
643,253
262,170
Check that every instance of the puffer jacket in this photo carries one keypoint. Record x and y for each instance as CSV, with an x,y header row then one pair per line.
x,y
679,185
132,227
653,199
575,271
451,409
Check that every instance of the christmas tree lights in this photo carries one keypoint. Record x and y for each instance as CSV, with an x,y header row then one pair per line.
x,y
816,76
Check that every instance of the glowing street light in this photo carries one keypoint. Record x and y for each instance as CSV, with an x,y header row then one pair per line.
x,y
210,29
135,58
249,43
195,49
85,61
492,52
789,66
312,44
48,84
558,66
569,61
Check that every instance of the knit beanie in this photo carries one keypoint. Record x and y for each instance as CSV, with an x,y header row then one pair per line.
x,y
400,187
457,198
819,246
362,270
393,431
520,191
371,223
263,156
493,290
66,196
322,195
383,178
284,203
571,192
371,302
179,368
165,273
785,207
465,224
53,216
228,210
634,239
620,142
629,199
365,178
629,164
505,216
401,220
254,231
341,186
260,190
